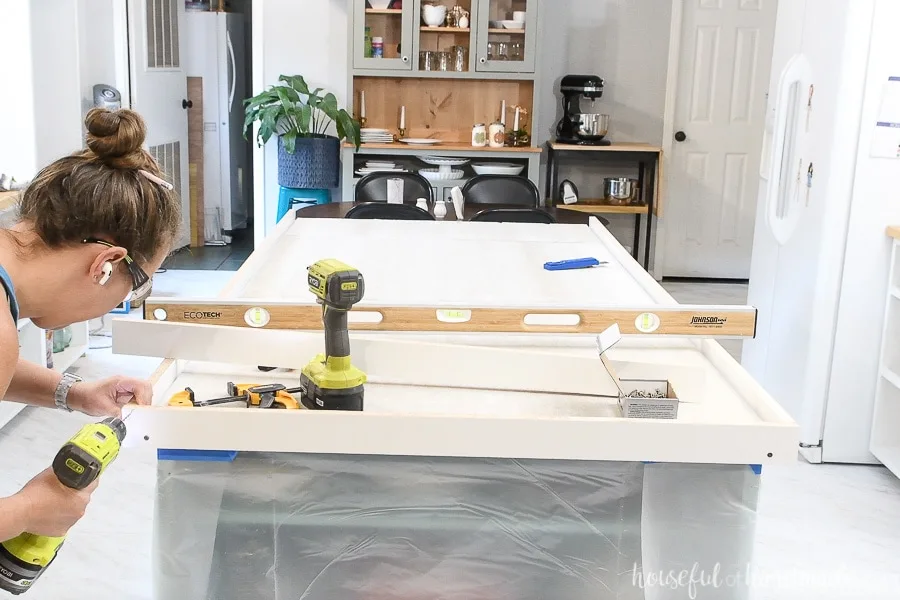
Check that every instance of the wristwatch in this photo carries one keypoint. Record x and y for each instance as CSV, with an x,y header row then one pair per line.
x,y
62,390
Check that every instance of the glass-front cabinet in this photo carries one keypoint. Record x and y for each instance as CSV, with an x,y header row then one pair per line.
x,y
383,34
445,35
507,30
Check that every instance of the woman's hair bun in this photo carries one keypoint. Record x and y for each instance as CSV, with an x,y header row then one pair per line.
x,y
116,137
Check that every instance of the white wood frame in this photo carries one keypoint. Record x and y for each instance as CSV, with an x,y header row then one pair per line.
x,y
668,140
756,431
258,82
885,441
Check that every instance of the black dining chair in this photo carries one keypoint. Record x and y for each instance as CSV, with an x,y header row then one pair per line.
x,y
373,187
502,189
390,212
514,215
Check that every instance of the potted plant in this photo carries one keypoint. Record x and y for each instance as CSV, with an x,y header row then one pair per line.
x,y
308,154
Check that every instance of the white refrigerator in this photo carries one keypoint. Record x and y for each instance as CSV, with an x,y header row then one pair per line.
x,y
830,184
216,52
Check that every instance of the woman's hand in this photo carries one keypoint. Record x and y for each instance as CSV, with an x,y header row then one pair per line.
x,y
106,397
50,507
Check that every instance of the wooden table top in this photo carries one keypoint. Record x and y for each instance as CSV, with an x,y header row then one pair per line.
x,y
614,147
338,210
894,231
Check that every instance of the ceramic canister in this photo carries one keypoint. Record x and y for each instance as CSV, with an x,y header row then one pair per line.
x,y
479,136
497,135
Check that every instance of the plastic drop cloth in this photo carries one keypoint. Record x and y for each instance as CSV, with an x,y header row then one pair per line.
x,y
333,527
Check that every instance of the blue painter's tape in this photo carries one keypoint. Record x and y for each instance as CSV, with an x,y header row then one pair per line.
x,y
757,469
197,455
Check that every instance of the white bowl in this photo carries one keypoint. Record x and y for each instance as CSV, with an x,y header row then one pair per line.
x,y
497,168
379,4
513,24
440,175
434,14
442,161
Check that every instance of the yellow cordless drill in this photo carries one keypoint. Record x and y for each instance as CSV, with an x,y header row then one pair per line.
x,y
330,381
77,464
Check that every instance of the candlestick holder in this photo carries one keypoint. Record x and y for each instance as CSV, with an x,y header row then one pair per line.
x,y
402,131
518,139
362,122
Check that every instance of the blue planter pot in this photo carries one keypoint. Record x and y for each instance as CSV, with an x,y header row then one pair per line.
x,y
315,164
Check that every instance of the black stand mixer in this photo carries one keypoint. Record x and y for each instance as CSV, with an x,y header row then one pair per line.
x,y
576,127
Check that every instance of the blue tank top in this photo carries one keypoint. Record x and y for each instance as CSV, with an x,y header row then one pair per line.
x,y
10,293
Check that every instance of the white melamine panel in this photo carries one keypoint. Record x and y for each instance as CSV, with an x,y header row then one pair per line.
x,y
450,263
725,416
715,393
386,359
410,420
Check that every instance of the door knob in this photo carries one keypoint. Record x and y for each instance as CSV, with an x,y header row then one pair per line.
x,y
482,60
186,104
680,136
406,59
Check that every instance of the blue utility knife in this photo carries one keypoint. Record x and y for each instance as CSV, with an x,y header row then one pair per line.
x,y
573,263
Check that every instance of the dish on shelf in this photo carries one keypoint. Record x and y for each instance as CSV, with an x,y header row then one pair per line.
x,y
380,4
497,168
420,141
512,24
441,174
375,136
444,160
377,164
367,171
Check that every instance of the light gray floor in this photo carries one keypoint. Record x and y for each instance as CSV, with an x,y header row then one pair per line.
x,y
825,532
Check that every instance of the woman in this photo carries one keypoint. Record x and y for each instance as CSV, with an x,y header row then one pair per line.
x,y
93,225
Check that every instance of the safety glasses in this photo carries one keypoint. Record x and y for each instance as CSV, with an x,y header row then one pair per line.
x,y
141,282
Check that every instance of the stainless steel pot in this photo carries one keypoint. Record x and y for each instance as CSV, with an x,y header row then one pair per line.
x,y
592,126
619,190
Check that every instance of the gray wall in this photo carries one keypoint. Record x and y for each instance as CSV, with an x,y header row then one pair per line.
x,y
626,42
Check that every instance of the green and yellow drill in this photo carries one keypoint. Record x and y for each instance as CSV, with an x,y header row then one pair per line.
x,y
78,463
330,381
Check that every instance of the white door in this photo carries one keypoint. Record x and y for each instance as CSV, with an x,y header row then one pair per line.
x,y
159,89
720,103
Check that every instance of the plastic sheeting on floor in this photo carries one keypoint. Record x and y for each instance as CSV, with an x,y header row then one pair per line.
x,y
316,527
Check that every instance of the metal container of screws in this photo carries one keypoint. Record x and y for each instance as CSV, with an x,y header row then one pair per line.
x,y
647,399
